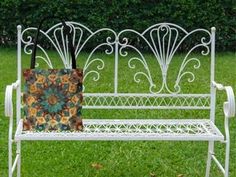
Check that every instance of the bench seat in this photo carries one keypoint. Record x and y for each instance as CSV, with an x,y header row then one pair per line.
x,y
133,129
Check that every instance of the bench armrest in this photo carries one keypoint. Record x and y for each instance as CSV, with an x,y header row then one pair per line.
x,y
229,105
8,98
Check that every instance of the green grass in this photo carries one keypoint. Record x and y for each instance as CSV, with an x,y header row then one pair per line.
x,y
123,159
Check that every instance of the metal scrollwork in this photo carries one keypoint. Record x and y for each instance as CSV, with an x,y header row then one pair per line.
x,y
140,59
163,40
60,43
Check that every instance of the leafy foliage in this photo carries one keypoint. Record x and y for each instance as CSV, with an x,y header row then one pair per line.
x,y
118,15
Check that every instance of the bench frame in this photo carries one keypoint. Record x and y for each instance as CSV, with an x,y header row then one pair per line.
x,y
130,100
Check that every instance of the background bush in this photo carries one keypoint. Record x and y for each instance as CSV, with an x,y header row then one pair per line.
x,y
118,15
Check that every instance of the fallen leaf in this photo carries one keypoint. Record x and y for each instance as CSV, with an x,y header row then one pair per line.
x,y
97,166
180,175
152,174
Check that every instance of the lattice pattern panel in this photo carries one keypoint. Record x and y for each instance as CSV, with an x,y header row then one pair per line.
x,y
150,129
163,128
147,101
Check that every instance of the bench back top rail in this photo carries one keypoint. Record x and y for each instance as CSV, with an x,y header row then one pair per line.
x,y
163,40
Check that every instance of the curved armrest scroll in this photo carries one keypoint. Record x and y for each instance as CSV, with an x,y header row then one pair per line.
x,y
229,105
8,98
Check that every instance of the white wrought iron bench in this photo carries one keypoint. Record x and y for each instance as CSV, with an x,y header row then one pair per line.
x,y
162,89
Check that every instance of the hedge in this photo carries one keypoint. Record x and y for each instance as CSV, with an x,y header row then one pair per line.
x,y
121,14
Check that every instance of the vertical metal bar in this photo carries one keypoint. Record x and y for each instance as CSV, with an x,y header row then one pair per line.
x,y
116,66
18,92
19,158
18,96
213,90
10,137
213,100
227,149
10,148
209,157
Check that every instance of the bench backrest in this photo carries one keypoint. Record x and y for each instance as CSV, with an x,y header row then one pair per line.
x,y
148,59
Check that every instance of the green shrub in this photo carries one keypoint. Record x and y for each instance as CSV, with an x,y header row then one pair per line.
x,y
118,15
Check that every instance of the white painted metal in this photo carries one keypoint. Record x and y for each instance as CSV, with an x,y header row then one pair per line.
x,y
229,111
15,162
18,97
133,129
116,67
120,45
227,148
163,40
218,164
145,101
229,105
209,157
213,99
9,113
163,55
213,90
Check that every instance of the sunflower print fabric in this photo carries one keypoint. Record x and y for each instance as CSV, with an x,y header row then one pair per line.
x,y
53,100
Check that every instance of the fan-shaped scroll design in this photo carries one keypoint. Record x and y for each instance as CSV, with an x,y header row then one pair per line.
x,y
124,45
100,63
81,36
164,40
28,41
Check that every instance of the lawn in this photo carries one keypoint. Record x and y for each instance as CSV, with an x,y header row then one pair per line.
x,y
117,158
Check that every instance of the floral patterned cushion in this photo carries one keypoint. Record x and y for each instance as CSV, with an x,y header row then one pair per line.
x,y
53,99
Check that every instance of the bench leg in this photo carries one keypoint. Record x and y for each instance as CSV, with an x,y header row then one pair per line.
x,y
16,163
19,159
10,142
12,165
9,157
209,157
227,160
227,147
